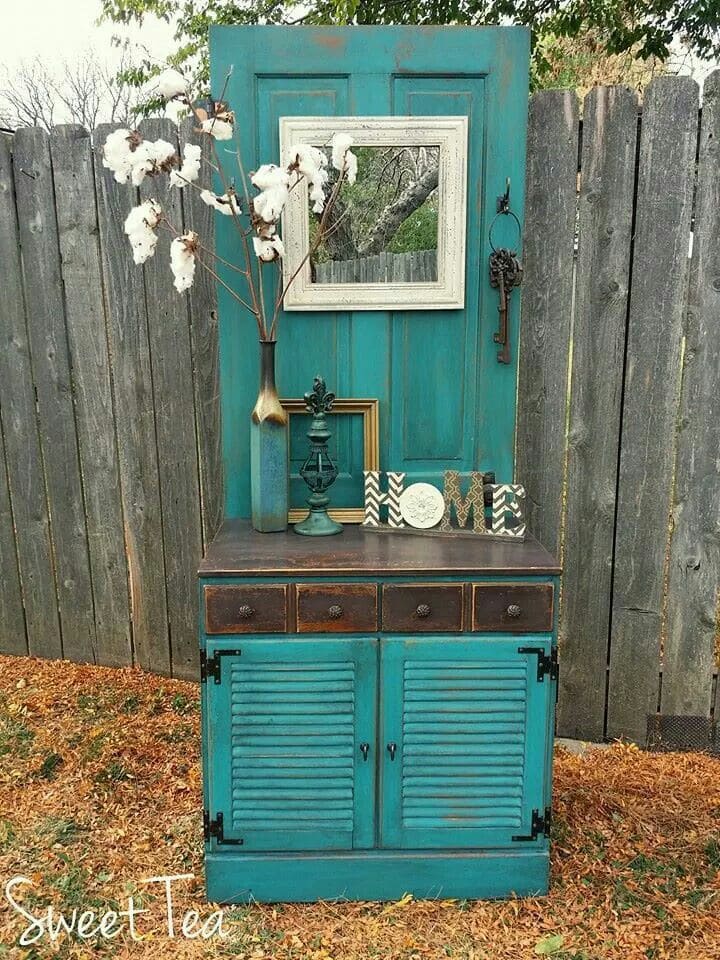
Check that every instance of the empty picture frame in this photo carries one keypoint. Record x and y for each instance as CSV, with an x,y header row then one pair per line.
x,y
368,409
379,273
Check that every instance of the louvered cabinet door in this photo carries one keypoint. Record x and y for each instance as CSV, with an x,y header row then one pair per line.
x,y
288,725
462,740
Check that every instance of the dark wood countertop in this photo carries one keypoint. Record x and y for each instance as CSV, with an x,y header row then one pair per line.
x,y
238,550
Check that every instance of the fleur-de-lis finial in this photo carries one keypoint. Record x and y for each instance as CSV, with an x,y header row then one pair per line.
x,y
318,400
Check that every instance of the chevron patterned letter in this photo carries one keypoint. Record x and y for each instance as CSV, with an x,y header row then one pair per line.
x,y
506,500
374,498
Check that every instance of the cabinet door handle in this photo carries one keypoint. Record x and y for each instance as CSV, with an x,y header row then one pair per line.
x,y
364,750
245,612
423,610
335,611
391,749
514,610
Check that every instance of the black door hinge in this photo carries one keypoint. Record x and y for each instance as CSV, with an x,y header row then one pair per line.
x,y
211,666
540,825
548,664
214,829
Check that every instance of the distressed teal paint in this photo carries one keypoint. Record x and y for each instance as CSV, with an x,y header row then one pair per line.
x,y
376,875
445,401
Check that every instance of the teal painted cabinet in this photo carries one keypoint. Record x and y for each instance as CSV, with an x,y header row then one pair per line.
x,y
377,720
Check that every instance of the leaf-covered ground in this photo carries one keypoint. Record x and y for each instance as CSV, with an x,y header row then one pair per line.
x,y
100,789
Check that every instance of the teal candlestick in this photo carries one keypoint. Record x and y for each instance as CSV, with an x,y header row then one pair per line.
x,y
319,472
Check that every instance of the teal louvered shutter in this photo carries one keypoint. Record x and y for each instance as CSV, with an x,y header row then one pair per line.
x,y
467,718
286,725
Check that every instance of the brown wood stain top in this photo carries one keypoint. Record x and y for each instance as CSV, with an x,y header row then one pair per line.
x,y
238,550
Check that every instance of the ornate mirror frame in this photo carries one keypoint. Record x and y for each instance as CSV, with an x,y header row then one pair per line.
x,y
448,292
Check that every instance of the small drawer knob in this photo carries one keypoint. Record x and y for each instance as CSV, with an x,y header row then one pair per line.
x,y
423,610
245,612
335,611
514,610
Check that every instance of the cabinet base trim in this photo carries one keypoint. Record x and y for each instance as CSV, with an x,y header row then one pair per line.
x,y
270,878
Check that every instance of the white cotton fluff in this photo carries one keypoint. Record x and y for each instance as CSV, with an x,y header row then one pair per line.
x,y
227,204
269,176
268,250
182,260
190,169
149,157
117,155
140,226
343,158
218,128
169,84
269,204
309,160
317,193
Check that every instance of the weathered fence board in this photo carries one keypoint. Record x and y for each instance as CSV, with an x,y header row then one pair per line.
x,y
12,620
204,339
133,392
74,180
171,361
418,266
694,574
135,420
22,444
51,378
657,299
550,199
603,277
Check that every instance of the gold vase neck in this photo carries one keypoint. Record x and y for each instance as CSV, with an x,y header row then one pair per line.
x,y
268,408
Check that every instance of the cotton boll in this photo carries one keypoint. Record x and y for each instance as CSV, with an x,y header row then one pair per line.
x,y
351,166
140,226
182,260
218,128
317,198
152,157
308,160
341,143
227,203
190,169
169,84
118,154
268,250
269,176
269,204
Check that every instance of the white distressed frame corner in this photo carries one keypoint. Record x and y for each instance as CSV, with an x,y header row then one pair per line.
x,y
450,134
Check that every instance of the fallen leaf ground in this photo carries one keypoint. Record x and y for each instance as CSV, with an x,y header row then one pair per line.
x,y
100,789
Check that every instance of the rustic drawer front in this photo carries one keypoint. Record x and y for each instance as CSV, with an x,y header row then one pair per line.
x,y
336,607
246,609
419,608
513,607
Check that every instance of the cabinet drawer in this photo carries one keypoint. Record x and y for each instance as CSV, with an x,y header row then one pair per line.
x,y
336,607
513,607
246,609
418,608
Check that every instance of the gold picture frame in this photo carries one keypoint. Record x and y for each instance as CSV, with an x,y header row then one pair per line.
x,y
371,449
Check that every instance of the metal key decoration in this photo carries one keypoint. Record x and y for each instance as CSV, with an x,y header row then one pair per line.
x,y
505,273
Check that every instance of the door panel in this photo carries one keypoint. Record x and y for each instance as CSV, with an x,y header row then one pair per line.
x,y
467,718
404,357
287,721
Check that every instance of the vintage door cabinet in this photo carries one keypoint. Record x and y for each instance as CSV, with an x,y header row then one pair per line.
x,y
378,709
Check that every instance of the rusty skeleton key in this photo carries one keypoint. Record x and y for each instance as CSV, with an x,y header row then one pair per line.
x,y
505,273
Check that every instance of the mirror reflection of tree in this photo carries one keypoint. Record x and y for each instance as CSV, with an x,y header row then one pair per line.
x,y
392,208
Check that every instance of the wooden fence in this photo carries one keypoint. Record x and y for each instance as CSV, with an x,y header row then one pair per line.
x,y
415,266
110,464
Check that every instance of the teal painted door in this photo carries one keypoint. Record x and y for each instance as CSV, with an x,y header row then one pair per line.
x,y
468,722
445,401
286,728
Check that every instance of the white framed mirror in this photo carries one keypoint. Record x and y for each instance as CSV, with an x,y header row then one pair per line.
x,y
400,238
